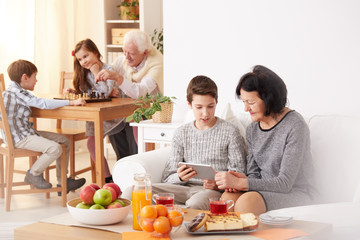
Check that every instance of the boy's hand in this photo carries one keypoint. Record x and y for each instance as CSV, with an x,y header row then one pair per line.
x,y
210,184
77,102
185,173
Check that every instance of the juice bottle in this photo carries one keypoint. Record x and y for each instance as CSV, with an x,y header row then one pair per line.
x,y
141,195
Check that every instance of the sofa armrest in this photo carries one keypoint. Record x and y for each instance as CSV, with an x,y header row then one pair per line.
x,y
152,162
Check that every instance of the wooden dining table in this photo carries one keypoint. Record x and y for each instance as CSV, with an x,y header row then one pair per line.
x,y
96,112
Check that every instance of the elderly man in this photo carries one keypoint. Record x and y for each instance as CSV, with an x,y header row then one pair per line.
x,y
137,72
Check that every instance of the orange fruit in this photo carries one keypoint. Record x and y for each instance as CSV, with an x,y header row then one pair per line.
x,y
147,224
161,210
148,211
175,218
162,225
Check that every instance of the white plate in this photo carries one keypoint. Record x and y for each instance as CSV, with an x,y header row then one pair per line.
x,y
202,231
276,219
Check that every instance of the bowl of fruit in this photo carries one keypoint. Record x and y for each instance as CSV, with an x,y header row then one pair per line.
x,y
160,220
99,206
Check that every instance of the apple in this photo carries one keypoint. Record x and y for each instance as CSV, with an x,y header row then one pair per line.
x,y
96,206
113,193
87,195
95,186
102,197
83,205
121,202
114,205
114,186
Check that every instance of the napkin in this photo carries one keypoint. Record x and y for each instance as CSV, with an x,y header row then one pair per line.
x,y
140,236
278,233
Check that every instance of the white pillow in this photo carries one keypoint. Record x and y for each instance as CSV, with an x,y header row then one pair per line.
x,y
229,116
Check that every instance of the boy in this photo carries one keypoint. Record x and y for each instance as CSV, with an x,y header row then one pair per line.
x,y
18,102
207,140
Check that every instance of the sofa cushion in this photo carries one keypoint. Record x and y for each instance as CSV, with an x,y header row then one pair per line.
x,y
335,150
152,162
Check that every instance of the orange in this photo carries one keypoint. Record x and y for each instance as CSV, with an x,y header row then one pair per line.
x,y
175,218
147,224
162,225
161,210
148,211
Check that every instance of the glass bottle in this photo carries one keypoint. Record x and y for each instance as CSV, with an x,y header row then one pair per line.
x,y
141,195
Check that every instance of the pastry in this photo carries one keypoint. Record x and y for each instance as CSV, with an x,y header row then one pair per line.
x,y
197,222
249,220
227,222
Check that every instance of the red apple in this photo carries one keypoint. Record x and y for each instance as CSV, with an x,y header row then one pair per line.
x,y
113,193
114,186
87,195
102,197
114,205
95,186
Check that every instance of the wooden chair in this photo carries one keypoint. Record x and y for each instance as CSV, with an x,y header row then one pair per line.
x,y
8,149
73,134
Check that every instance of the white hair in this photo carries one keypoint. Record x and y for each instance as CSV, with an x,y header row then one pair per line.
x,y
140,38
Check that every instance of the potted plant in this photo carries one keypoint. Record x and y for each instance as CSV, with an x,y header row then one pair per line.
x,y
129,10
158,106
157,40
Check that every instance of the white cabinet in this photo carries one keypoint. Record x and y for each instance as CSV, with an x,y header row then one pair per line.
x,y
150,132
150,18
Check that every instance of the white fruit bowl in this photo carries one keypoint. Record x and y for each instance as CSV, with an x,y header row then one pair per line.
x,y
98,216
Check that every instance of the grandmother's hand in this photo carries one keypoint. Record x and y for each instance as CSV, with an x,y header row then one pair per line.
x,y
231,181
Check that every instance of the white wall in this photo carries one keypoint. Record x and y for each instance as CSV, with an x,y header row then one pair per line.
x,y
313,45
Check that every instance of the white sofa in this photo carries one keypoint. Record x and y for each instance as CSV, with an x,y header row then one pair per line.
x,y
336,155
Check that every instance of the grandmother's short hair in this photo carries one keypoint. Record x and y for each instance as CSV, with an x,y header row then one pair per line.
x,y
270,87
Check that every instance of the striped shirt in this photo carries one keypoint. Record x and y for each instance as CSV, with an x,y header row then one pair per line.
x,y
18,103
220,146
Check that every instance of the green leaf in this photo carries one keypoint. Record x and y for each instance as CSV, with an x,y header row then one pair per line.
x,y
137,117
156,106
129,118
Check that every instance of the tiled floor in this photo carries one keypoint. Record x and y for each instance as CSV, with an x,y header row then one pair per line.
x,y
30,208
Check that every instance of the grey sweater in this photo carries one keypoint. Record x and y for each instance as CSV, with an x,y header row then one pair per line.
x,y
220,146
279,159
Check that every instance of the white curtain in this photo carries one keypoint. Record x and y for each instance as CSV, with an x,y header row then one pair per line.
x,y
54,40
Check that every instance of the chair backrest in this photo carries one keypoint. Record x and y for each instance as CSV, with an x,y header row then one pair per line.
x,y
64,77
4,124
2,82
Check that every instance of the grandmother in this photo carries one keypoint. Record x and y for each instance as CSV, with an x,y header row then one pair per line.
x,y
279,163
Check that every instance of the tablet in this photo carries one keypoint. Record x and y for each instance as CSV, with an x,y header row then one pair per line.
x,y
203,171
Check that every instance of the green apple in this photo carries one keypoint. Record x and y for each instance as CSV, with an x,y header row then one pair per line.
x,y
102,197
120,201
83,205
96,206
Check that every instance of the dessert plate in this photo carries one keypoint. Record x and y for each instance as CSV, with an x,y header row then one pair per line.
x,y
276,219
202,231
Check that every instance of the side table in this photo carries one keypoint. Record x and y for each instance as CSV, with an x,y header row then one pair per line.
x,y
150,132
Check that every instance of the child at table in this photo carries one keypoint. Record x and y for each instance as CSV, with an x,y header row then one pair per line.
x,y
18,102
207,140
87,64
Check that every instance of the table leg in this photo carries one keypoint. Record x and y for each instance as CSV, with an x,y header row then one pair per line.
x,y
99,151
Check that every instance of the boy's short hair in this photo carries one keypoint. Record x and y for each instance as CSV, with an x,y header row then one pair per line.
x,y
201,85
18,68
